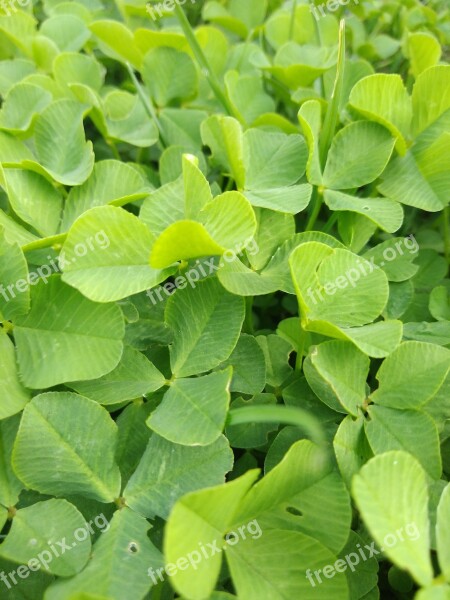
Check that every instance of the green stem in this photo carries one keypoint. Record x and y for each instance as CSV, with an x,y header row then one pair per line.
x,y
148,104
48,242
286,415
331,221
292,24
316,202
114,150
332,115
301,349
204,64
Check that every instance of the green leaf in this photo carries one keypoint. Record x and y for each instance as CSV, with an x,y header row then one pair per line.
x,y
411,375
274,566
249,366
14,287
347,167
167,471
32,534
337,373
385,213
430,97
133,377
68,32
111,182
310,118
279,497
55,436
62,152
71,67
201,405
398,521
251,434
10,486
170,75
224,136
273,160
206,322
197,519
106,255
443,532
409,430
14,396
127,120
383,98
119,563
34,200
21,105
351,447
64,323
117,41
424,51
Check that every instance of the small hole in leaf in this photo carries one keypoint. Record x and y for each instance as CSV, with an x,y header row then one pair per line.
x,y
294,511
366,207
133,547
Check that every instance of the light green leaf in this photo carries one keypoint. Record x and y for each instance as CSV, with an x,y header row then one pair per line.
x,y
398,521
337,373
310,117
14,288
21,105
34,200
276,566
10,486
291,200
106,255
273,160
206,322
127,120
167,471
111,182
119,562
68,32
437,592
430,97
134,376
347,167
224,136
315,489
383,98
117,41
62,322
249,366
197,519
14,395
33,533
443,532
409,430
71,67
424,51
63,152
169,75
385,213
200,407
351,447
55,436
411,375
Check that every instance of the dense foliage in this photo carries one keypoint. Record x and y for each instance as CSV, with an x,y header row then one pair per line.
x,y
224,300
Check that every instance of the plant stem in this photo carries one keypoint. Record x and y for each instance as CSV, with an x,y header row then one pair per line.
x,y
292,24
301,349
204,64
47,242
148,104
287,415
316,202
